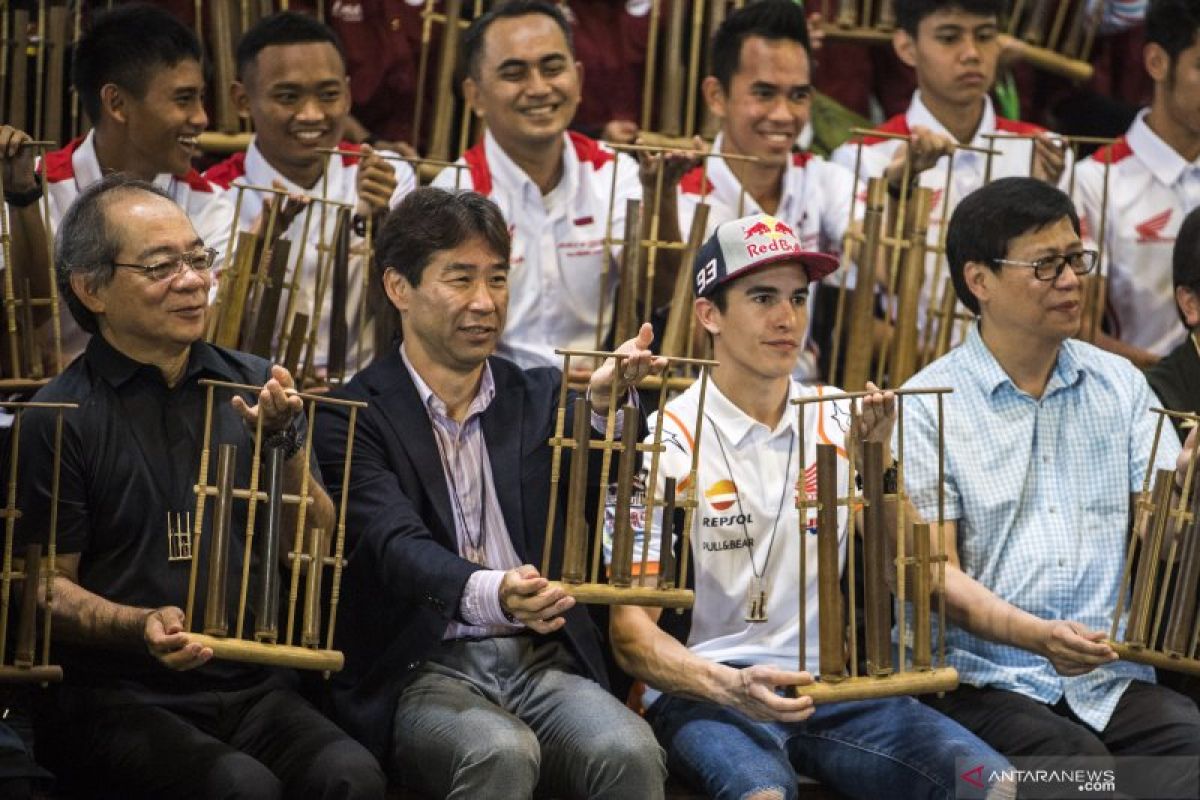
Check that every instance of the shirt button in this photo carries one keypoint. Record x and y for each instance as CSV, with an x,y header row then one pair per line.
x,y
1053,509
1062,562
394,23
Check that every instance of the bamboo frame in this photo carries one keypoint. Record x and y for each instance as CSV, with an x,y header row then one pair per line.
x,y
626,584
306,553
31,663
917,671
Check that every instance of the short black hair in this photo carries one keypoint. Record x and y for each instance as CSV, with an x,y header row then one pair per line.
x,y
909,13
285,27
1185,258
125,46
1172,25
768,19
430,220
87,243
472,41
989,218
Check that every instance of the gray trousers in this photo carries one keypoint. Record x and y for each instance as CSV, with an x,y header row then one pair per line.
x,y
501,717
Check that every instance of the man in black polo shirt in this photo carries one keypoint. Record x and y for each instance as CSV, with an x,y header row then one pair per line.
x,y
143,710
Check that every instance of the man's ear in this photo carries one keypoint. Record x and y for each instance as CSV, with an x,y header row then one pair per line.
x,y
714,96
470,90
112,102
240,95
398,289
905,47
1189,306
90,298
1157,62
708,315
978,278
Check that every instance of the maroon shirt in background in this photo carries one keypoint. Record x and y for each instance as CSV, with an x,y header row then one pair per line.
x,y
611,39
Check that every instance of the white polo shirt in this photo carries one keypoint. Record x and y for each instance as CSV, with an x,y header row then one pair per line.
x,y
251,168
75,167
559,261
814,200
744,471
1151,188
969,169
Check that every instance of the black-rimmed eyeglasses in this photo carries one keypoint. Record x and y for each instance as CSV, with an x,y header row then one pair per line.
x,y
1049,268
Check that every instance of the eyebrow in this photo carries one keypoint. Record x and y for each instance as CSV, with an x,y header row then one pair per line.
x,y
166,249
768,85
517,62
297,85
463,266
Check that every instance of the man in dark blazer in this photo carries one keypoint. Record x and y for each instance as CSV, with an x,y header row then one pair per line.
x,y
465,672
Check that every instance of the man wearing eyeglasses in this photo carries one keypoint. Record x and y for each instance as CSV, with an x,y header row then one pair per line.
x,y
144,710
1046,439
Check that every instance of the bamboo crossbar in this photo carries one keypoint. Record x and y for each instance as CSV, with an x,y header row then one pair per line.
x,y
436,162
664,148
289,392
285,193
698,362
904,137
272,655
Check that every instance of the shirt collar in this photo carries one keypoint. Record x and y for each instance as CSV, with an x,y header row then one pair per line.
x,y
736,425
435,405
919,114
260,172
1162,160
726,184
991,377
512,176
86,166
117,369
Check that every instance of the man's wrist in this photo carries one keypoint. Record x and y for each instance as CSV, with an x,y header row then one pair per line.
x,y
21,198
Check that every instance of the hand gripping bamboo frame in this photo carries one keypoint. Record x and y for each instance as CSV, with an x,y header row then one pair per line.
x,y
871,22
308,553
623,586
26,665
1159,589
25,357
923,672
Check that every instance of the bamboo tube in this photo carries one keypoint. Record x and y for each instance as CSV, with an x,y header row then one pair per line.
x,y
272,655
666,546
574,565
18,108
266,606
627,284
860,328
311,634
1183,604
443,114
27,619
216,621
922,626
675,339
877,601
912,276
939,680
223,70
1147,568
829,592
621,567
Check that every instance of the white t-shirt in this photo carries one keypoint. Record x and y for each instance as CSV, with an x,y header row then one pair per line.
x,y
970,173
1151,188
559,266
251,168
745,475
75,167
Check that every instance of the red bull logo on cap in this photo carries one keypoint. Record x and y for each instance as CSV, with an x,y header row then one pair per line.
x,y
768,236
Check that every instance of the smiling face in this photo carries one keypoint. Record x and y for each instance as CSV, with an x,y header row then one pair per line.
x,y
954,55
768,100
161,126
298,96
455,315
527,84
760,333
1012,300
141,317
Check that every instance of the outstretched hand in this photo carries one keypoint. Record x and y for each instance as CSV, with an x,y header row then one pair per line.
x,y
606,383
275,403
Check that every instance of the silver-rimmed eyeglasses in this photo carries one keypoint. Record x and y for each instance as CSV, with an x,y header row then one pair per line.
x,y
168,268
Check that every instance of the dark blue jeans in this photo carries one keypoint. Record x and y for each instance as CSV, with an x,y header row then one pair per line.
x,y
895,747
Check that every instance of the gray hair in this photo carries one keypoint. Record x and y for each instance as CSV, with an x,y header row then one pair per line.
x,y
87,244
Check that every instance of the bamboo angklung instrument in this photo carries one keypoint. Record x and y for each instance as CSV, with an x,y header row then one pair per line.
x,y
221,22
284,510
626,584
443,112
1162,628
262,331
917,671
28,666
906,324
860,325
340,286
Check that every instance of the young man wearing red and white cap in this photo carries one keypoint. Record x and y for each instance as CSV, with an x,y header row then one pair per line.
x,y
717,707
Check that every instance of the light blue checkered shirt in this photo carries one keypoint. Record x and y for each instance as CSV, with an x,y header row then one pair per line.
x,y
1040,490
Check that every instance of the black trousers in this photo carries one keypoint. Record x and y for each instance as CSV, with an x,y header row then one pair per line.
x,y
262,742
1149,720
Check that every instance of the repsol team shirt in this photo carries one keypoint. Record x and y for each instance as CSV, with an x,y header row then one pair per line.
x,y
970,170
252,169
75,167
746,489
562,280
1151,188
814,202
